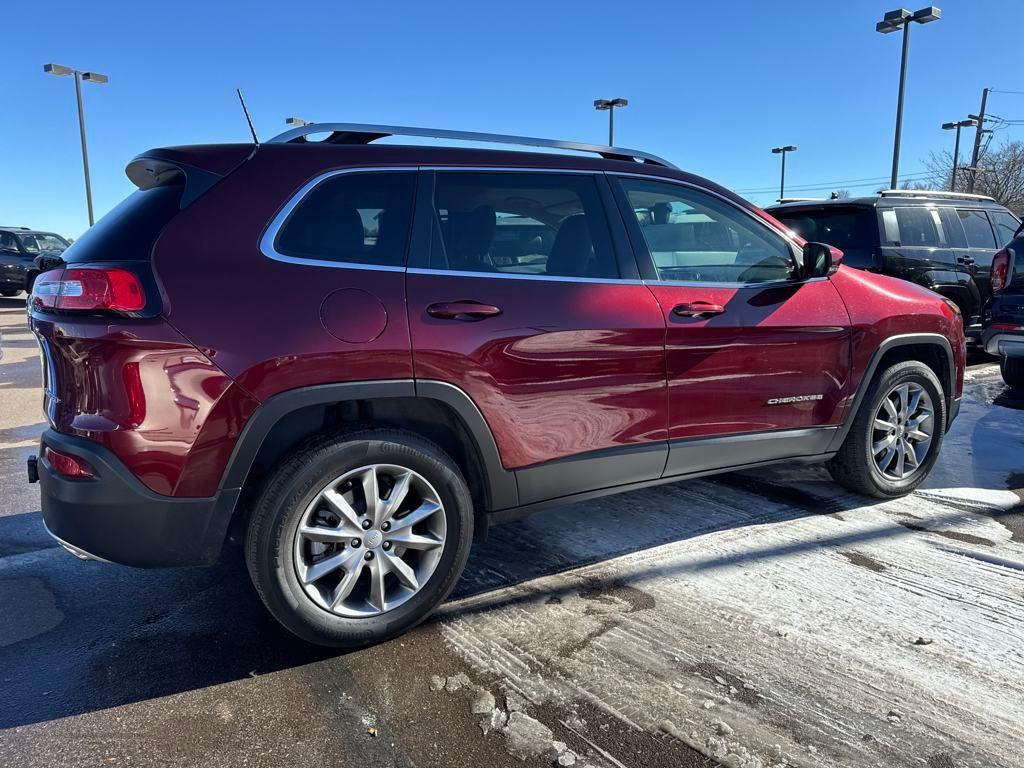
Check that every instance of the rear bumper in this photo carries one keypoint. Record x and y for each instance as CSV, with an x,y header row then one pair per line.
x,y
114,517
1005,344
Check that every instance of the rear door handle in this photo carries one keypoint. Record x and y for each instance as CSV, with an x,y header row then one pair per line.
x,y
698,309
462,310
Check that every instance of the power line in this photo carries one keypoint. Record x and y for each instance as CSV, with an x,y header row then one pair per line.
x,y
868,181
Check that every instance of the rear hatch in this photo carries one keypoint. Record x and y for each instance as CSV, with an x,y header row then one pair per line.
x,y
113,370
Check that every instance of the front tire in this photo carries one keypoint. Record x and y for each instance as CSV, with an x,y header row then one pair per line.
x,y
1012,371
358,537
896,434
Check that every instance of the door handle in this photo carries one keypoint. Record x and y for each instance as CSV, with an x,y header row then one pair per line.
x,y
698,309
462,310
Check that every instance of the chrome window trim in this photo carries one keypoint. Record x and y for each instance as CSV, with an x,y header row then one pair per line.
x,y
519,276
269,237
782,234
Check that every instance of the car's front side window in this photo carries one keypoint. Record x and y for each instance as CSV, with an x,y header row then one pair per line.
x,y
693,236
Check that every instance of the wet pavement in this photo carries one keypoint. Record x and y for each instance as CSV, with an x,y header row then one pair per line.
x,y
760,619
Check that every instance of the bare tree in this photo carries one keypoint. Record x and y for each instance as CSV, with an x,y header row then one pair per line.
x,y
1001,176
841,194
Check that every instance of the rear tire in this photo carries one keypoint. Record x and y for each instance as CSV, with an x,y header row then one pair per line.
x,y
7,293
324,559
859,467
1012,370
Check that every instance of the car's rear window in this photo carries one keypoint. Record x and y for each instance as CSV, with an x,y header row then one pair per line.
x,y
130,230
844,228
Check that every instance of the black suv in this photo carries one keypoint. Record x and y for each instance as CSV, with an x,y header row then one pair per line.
x,y
944,241
19,247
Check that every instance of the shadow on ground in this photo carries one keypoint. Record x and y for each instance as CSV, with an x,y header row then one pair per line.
x,y
110,635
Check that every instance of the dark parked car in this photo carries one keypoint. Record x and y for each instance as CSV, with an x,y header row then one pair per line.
x,y
1004,318
944,241
19,248
359,356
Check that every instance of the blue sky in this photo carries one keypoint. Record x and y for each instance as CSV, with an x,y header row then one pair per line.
x,y
712,86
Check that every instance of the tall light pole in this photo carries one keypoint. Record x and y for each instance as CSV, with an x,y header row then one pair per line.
x,y
956,146
89,77
891,22
782,151
610,105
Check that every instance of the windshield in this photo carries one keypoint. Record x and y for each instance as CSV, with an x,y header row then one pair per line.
x,y
40,242
844,228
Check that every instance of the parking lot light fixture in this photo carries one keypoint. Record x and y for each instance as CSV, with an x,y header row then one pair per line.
x,y
297,122
891,22
782,151
956,146
610,104
89,77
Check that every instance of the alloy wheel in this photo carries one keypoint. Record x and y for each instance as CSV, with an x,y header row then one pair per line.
x,y
370,540
902,431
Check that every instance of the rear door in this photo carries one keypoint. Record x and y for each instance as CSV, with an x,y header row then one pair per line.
x,y
918,245
754,355
529,301
981,243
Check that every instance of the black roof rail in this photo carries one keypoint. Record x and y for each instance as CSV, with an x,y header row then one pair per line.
x,y
362,133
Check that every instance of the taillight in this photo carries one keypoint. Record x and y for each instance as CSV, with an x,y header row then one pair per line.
x,y
1002,263
67,465
89,289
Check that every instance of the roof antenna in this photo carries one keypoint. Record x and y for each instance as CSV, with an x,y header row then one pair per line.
x,y
247,118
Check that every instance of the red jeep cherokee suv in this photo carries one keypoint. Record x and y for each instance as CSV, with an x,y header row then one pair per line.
x,y
360,356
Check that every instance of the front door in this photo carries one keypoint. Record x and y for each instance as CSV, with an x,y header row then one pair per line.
x,y
526,302
757,359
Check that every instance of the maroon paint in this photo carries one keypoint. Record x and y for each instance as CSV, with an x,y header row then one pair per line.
x,y
766,343
565,368
140,389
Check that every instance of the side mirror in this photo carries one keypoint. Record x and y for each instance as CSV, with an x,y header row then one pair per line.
x,y
821,260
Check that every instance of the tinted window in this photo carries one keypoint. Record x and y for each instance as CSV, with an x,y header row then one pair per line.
x,y
130,230
976,226
1006,226
693,236
844,228
952,228
918,227
522,223
362,218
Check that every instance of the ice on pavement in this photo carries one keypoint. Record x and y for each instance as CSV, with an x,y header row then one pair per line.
x,y
772,618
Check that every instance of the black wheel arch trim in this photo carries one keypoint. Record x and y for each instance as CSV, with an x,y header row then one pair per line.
x,y
894,342
500,488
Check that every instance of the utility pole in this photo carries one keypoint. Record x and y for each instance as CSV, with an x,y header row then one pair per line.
x,y
891,22
956,147
610,104
782,182
980,117
89,77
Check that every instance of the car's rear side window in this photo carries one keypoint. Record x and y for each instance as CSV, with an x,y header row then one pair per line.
x,y
358,218
977,228
845,228
542,224
130,230
1006,226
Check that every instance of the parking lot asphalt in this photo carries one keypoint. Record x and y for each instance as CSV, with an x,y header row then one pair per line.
x,y
757,619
